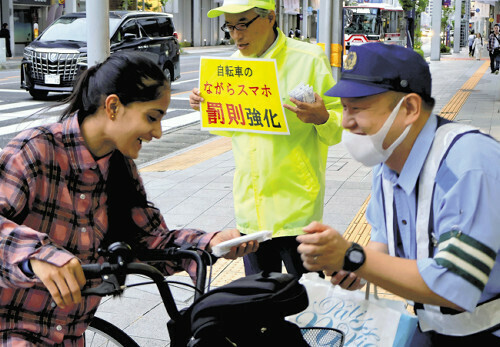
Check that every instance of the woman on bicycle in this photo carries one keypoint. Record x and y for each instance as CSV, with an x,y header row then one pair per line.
x,y
70,188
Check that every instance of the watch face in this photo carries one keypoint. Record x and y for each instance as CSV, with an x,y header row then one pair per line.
x,y
356,257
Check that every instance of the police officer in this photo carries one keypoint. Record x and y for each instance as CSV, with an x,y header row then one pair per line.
x,y
433,210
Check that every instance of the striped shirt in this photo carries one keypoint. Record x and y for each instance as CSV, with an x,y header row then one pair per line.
x,y
53,208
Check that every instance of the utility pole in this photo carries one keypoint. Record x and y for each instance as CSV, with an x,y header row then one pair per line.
x,y
410,27
97,31
458,24
436,29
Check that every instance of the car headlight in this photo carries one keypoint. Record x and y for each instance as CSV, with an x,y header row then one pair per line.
x,y
28,53
82,60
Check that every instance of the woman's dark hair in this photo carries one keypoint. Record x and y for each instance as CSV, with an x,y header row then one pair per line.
x,y
130,75
122,196
133,78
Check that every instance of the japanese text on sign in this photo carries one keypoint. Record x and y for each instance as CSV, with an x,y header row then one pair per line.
x,y
241,95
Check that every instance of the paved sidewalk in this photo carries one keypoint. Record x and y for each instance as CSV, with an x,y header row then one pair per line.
x,y
11,63
193,189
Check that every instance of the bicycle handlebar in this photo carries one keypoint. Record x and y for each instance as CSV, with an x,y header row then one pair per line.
x,y
174,254
114,272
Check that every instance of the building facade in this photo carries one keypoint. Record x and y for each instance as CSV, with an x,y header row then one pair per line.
x,y
26,18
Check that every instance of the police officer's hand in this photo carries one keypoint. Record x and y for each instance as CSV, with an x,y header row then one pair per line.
x,y
195,99
322,248
347,280
63,283
236,251
315,112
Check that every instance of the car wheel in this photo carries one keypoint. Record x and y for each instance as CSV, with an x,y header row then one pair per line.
x,y
168,76
38,94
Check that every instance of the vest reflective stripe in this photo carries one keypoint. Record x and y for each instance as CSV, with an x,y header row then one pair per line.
x,y
444,136
389,215
442,139
485,316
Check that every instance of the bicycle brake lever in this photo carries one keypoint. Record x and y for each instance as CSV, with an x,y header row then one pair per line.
x,y
109,286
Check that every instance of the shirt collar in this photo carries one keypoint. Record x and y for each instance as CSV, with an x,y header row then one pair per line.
x,y
80,157
271,51
407,180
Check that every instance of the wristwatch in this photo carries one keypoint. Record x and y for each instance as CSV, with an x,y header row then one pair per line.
x,y
354,258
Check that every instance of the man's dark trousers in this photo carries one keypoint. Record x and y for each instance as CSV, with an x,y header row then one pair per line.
x,y
493,60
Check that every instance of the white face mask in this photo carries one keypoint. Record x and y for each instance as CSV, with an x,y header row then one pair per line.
x,y
367,149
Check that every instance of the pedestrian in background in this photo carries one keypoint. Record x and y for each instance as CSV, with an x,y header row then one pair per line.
x,y
297,33
433,209
5,33
70,188
477,46
471,42
279,181
494,49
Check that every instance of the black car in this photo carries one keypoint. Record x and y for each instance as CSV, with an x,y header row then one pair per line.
x,y
52,62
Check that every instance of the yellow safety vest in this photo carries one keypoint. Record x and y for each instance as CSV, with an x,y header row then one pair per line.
x,y
279,182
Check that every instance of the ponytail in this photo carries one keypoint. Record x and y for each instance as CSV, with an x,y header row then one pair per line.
x,y
130,75
77,100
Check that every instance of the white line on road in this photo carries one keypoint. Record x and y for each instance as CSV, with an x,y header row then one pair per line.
x,y
13,90
19,104
179,82
10,129
186,97
166,124
29,112
175,122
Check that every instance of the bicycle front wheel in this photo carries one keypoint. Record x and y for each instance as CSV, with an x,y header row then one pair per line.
x,y
103,333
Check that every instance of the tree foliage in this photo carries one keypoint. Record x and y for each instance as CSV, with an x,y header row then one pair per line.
x,y
138,4
419,5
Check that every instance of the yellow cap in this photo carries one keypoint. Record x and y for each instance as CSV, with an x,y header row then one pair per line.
x,y
238,6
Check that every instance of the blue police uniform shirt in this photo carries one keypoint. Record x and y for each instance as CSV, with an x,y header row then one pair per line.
x,y
466,198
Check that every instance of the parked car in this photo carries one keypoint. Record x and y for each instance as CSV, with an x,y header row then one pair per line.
x,y
52,62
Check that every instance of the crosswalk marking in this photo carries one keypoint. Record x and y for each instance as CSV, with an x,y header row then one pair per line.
x,y
20,104
179,82
30,112
13,91
175,122
14,128
47,115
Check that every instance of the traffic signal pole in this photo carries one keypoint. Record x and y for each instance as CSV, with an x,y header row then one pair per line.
x,y
331,34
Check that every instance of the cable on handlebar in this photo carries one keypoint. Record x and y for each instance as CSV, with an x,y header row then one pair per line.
x,y
182,284
210,265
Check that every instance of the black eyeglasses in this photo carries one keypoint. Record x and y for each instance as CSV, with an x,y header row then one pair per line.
x,y
240,26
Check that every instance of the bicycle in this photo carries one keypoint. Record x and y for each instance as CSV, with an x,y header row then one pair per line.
x,y
119,265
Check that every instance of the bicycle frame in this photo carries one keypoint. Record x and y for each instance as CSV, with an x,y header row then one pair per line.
x,y
114,272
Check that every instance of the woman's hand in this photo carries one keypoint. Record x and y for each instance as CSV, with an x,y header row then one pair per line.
x,y
236,251
63,283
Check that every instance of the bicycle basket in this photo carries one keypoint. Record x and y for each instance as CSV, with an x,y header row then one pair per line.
x,y
323,336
